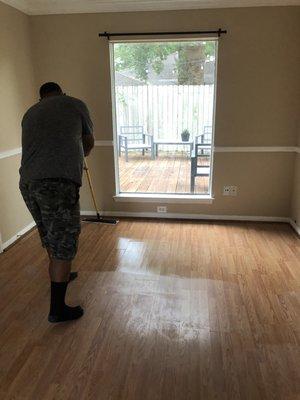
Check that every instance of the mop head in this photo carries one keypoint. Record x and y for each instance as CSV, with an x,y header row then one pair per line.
x,y
101,220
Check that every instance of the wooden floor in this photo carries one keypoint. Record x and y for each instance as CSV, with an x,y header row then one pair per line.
x,y
174,311
168,173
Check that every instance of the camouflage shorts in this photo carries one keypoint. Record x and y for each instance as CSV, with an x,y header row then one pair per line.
x,y
54,205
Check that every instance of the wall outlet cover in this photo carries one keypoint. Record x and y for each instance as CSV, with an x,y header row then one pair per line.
x,y
230,191
226,191
162,209
233,190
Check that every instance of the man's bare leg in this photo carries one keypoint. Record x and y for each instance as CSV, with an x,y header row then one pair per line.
x,y
49,253
59,270
72,275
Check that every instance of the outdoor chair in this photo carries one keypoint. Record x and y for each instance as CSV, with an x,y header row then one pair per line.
x,y
202,149
204,138
134,138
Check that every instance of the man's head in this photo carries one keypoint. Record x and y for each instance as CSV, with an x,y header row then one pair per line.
x,y
50,89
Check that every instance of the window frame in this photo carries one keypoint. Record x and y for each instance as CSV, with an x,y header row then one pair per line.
x,y
158,197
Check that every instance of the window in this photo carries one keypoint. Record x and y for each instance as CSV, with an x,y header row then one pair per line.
x,y
164,96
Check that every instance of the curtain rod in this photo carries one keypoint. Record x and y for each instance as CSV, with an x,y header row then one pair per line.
x,y
219,32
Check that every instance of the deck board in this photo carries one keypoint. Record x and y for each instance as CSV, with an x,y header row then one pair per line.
x,y
168,173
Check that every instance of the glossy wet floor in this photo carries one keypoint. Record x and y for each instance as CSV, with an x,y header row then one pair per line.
x,y
174,310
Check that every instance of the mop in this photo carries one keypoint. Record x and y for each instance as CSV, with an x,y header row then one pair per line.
x,y
98,218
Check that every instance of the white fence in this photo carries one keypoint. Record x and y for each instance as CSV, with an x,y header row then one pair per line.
x,y
165,110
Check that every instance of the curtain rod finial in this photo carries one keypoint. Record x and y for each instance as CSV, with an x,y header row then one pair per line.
x,y
104,34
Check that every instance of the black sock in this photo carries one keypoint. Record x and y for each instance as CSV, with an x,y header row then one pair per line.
x,y
58,293
59,311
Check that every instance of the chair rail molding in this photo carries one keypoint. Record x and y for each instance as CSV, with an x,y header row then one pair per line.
x,y
10,153
232,149
103,143
217,149
256,149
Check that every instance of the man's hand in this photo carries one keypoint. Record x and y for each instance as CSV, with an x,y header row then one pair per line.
x,y
88,143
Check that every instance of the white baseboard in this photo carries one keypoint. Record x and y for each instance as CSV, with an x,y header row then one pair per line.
x,y
4,245
10,241
196,217
189,216
295,226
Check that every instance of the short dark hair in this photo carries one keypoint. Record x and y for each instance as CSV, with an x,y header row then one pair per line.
x,y
49,87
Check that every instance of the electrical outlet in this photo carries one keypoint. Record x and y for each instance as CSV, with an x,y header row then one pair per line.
x,y
226,191
161,209
230,191
233,190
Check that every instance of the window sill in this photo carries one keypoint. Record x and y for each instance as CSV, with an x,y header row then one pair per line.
x,y
162,198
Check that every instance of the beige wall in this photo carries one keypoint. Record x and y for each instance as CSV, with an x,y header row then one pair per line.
x,y
16,94
258,65
295,212
256,103
16,74
257,196
296,193
13,213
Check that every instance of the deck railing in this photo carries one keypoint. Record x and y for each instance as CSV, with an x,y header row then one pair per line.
x,y
165,111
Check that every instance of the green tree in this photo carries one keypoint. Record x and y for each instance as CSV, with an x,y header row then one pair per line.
x,y
139,57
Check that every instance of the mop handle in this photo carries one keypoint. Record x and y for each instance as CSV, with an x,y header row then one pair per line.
x,y
86,168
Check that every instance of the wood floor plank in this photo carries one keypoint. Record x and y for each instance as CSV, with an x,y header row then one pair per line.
x,y
173,311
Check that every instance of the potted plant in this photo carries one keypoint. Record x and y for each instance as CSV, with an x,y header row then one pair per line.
x,y
185,136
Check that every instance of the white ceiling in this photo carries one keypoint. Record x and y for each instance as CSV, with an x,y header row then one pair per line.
x,y
38,7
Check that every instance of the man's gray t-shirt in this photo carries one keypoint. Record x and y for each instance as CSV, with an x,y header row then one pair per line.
x,y
52,133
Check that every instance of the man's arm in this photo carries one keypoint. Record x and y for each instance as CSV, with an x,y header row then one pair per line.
x,y
88,143
88,140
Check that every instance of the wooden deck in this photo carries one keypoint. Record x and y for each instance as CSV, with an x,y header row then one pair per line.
x,y
168,173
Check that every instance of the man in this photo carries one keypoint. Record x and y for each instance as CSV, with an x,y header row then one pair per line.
x,y
57,133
